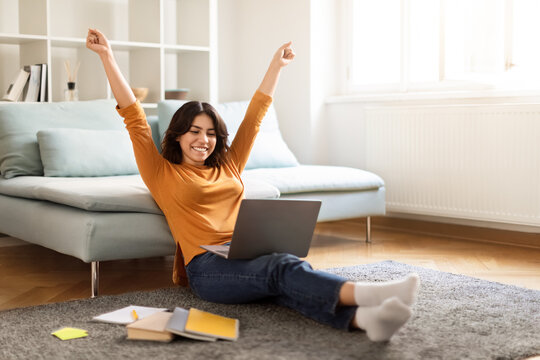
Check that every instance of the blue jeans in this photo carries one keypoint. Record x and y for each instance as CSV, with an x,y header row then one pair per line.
x,y
282,278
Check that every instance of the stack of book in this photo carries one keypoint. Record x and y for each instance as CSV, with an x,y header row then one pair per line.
x,y
157,324
30,85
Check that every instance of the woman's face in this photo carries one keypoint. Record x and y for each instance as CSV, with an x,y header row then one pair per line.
x,y
199,142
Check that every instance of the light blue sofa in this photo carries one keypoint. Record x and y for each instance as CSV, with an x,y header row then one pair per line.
x,y
70,183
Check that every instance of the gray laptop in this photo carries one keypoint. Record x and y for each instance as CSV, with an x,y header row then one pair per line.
x,y
271,225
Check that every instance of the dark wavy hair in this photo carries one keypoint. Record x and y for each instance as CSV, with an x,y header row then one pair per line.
x,y
181,123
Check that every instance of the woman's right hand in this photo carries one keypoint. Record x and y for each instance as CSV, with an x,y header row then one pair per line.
x,y
97,42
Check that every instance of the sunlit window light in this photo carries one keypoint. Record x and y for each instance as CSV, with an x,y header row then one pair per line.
x,y
419,45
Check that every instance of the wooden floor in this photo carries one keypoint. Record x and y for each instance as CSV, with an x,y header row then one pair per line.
x,y
33,275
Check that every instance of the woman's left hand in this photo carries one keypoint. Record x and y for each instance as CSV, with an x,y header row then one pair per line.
x,y
284,55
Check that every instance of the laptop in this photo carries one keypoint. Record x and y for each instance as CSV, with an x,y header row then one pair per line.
x,y
265,226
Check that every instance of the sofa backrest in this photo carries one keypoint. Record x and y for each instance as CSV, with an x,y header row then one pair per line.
x,y
269,149
21,122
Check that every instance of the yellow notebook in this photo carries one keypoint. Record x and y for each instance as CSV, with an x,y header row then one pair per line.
x,y
208,324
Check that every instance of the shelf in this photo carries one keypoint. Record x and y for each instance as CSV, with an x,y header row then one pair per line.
x,y
18,39
25,17
158,44
121,20
187,22
116,45
189,70
185,48
68,42
131,45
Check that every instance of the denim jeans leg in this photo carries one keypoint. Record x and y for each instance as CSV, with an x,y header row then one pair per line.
x,y
285,278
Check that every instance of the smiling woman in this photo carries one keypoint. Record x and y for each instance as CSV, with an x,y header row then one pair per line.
x,y
196,135
199,142
200,193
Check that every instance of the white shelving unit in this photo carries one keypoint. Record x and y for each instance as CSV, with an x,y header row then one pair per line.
x,y
159,44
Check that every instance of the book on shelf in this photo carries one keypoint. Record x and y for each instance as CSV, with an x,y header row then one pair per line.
x,y
25,89
151,328
207,324
32,88
177,325
43,92
16,87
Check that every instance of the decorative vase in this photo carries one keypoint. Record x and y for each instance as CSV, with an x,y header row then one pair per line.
x,y
71,93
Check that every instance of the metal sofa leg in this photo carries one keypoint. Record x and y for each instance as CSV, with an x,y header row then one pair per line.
x,y
368,230
95,278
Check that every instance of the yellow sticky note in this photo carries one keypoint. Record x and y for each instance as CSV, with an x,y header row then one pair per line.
x,y
68,333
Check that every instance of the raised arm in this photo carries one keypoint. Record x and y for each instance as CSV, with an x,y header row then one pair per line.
x,y
247,132
283,56
98,43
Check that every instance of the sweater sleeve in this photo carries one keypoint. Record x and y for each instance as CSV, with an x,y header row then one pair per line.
x,y
149,160
248,130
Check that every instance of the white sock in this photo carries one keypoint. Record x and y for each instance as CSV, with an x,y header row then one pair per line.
x,y
382,321
372,294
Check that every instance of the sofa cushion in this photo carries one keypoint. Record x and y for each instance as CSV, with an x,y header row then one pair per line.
x,y
112,193
20,122
339,205
257,189
269,149
316,178
83,152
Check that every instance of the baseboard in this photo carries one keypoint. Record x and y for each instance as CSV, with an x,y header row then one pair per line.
x,y
457,231
467,222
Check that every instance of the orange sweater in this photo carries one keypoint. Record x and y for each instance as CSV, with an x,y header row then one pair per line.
x,y
199,203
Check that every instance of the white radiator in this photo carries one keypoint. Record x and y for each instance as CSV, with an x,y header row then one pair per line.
x,y
479,162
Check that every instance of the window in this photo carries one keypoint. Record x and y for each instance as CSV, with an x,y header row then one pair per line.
x,y
419,45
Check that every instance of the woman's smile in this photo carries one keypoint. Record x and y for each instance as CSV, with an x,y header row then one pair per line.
x,y
199,142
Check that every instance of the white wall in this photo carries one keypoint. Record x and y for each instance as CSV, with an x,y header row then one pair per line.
x,y
325,47
249,33
317,131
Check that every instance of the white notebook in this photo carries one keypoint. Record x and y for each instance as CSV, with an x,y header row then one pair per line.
x,y
125,315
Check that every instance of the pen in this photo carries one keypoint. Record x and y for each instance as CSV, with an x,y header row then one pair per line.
x,y
134,315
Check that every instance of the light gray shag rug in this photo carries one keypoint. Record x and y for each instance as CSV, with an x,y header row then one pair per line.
x,y
456,317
